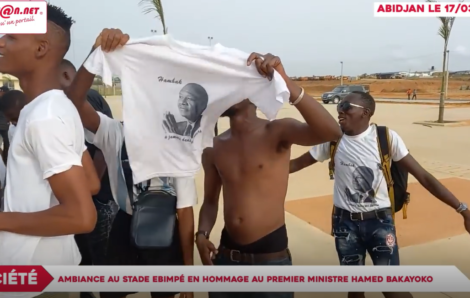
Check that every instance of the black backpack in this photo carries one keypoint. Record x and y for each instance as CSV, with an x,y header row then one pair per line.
x,y
396,176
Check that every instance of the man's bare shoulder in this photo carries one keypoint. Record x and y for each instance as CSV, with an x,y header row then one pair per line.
x,y
280,124
223,136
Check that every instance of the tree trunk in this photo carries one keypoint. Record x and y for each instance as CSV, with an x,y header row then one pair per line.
x,y
440,119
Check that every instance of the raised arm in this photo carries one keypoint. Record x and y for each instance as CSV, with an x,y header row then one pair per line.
x,y
320,126
59,159
109,40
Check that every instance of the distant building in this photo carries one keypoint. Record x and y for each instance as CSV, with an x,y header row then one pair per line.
x,y
10,81
403,74
460,73
420,74
386,75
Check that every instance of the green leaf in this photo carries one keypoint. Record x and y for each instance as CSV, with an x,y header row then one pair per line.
x,y
152,6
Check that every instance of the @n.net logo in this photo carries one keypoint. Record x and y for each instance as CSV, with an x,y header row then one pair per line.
x,y
23,17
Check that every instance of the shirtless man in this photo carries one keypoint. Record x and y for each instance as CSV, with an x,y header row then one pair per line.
x,y
251,162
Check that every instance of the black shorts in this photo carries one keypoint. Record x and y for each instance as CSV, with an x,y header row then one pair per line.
x,y
122,253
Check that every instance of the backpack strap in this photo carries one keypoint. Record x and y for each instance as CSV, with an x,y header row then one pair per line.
x,y
331,163
331,168
383,141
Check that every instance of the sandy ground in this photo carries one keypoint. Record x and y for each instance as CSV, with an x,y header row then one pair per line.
x,y
426,88
432,235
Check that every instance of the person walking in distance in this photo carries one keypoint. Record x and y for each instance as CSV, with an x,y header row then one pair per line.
x,y
414,94
250,161
363,221
408,92
4,125
107,135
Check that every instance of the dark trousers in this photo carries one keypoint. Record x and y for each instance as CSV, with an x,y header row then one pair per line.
x,y
4,135
5,140
355,238
93,246
222,260
414,97
121,252
99,237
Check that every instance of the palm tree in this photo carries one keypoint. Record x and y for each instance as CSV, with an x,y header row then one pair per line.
x,y
444,31
151,6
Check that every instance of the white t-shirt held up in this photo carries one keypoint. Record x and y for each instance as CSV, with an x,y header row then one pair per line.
x,y
359,184
173,94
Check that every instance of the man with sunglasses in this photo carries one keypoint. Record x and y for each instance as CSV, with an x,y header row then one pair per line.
x,y
362,217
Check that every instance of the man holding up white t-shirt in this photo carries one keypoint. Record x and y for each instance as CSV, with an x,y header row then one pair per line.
x,y
362,218
107,134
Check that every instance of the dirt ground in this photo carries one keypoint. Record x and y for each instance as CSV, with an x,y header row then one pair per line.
x,y
426,88
428,219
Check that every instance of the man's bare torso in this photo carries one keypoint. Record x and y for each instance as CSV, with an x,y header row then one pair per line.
x,y
254,169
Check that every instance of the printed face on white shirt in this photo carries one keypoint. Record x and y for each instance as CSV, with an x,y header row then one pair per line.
x,y
360,185
192,101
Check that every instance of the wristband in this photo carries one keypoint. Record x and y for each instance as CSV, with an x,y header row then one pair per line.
x,y
298,98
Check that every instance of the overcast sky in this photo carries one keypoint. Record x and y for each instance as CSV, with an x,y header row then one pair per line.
x,y
311,37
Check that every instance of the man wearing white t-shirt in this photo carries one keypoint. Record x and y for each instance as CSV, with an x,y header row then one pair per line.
x,y
362,218
47,198
107,134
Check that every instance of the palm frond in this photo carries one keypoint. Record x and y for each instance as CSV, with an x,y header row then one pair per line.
x,y
152,6
446,25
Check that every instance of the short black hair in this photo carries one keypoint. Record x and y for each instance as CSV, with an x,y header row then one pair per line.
x,y
57,16
11,99
67,64
367,100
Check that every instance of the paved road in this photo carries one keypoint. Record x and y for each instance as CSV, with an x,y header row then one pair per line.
x,y
423,101
436,101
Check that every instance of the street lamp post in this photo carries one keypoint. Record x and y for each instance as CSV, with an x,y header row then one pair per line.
x,y
447,74
341,73
216,128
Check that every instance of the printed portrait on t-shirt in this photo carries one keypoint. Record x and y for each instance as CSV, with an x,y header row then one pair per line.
x,y
363,192
192,102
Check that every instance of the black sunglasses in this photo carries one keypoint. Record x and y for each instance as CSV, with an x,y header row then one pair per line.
x,y
345,106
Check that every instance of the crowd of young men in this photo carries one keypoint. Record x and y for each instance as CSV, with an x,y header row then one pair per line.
x,y
72,197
